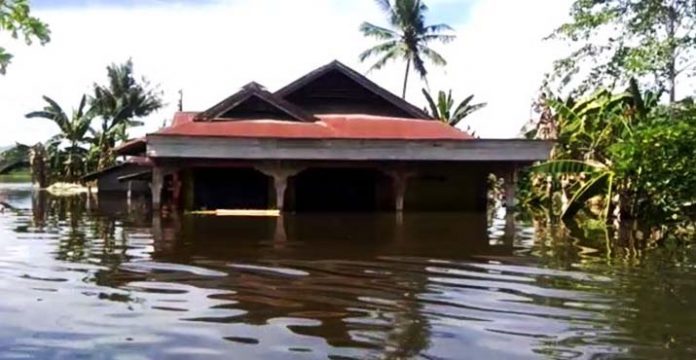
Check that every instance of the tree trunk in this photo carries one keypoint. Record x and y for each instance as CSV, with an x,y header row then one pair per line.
x,y
671,66
38,165
408,69
672,82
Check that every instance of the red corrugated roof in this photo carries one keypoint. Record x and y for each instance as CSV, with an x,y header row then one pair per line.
x,y
328,127
132,147
182,117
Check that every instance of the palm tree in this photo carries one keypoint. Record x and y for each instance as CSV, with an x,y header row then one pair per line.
x,y
119,104
408,38
73,130
445,111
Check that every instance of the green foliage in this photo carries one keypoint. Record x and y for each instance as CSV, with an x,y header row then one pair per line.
x,y
659,160
15,17
119,104
443,109
67,151
625,149
116,107
408,37
616,40
590,179
19,152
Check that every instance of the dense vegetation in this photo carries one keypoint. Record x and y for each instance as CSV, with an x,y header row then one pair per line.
x,y
89,134
652,41
629,154
622,153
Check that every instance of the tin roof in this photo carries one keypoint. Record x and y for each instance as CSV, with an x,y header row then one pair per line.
x,y
332,102
139,161
344,126
132,147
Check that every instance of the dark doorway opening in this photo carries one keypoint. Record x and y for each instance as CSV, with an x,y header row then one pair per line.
x,y
341,190
236,188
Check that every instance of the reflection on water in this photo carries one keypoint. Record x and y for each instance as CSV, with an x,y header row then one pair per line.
x,y
103,279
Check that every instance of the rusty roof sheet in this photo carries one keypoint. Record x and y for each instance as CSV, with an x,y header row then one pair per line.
x,y
351,126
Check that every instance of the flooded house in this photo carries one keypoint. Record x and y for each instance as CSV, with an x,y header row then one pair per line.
x,y
330,141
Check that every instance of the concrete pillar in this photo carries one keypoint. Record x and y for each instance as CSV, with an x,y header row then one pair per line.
x,y
280,238
280,174
400,181
129,194
510,184
156,187
281,184
400,192
509,230
176,189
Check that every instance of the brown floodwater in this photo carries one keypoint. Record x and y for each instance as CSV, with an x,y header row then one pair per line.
x,y
104,280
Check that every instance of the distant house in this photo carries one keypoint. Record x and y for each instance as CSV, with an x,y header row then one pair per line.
x,y
330,141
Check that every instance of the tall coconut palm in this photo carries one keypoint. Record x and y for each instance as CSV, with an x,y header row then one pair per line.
x,y
408,37
444,110
73,133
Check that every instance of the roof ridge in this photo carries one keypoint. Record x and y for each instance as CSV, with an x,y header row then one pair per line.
x,y
254,89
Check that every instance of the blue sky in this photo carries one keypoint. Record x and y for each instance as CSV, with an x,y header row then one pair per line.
x,y
211,50
127,3
447,11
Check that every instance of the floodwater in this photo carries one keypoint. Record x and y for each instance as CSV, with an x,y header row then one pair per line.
x,y
105,281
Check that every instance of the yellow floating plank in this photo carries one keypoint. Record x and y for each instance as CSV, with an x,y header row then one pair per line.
x,y
238,212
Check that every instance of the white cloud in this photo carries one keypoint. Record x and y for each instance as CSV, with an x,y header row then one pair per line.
x,y
210,51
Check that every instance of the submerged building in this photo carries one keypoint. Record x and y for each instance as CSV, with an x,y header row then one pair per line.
x,y
330,141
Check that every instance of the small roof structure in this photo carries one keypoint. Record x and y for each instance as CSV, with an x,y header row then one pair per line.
x,y
133,147
254,102
135,160
138,176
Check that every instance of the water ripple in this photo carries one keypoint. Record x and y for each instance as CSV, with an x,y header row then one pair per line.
x,y
76,284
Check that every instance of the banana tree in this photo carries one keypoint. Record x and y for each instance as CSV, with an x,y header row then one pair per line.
x,y
583,162
67,148
588,179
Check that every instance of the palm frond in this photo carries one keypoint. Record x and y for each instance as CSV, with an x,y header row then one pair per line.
x,y
433,108
464,109
40,114
379,49
53,105
392,54
437,28
81,108
378,32
600,184
433,55
442,38
444,102
386,6
564,167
